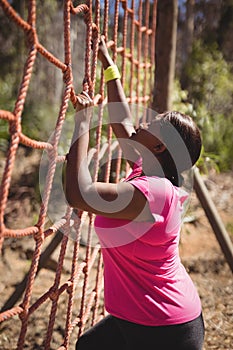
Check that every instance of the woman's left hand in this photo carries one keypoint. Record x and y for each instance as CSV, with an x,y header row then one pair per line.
x,y
83,101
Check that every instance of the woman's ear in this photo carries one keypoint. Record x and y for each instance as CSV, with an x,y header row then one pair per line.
x,y
160,148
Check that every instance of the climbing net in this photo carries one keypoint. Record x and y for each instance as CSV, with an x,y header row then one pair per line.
x,y
138,21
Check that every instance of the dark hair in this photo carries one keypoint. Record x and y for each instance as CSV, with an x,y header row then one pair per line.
x,y
183,143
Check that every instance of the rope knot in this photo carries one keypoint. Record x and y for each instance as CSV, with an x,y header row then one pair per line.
x,y
67,75
95,32
39,235
53,294
52,153
23,314
14,127
70,288
85,269
32,38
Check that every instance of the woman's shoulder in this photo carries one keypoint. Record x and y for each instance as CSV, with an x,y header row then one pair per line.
x,y
153,187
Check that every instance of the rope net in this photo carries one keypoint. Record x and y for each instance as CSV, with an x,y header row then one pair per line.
x,y
85,281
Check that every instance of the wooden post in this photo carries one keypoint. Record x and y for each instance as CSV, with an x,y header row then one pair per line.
x,y
214,218
165,54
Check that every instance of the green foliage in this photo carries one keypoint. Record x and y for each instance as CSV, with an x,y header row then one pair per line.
x,y
209,100
6,103
38,120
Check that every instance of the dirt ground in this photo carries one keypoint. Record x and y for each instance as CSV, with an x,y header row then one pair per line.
x,y
199,250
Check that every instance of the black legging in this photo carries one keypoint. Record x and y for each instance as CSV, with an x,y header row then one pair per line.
x,y
115,334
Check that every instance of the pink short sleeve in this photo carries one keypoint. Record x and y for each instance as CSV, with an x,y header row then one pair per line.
x,y
158,192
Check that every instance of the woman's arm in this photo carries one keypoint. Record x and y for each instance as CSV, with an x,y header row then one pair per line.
x,y
122,201
119,112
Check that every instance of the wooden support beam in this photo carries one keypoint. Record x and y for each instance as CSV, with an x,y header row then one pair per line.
x,y
213,217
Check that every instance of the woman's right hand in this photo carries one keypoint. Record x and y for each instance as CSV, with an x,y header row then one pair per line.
x,y
103,54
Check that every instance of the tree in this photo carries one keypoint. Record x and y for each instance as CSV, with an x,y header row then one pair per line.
x,y
165,54
187,40
224,36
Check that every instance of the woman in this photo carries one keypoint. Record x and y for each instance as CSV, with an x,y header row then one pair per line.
x,y
151,300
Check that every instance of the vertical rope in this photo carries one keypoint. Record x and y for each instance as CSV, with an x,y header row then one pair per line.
x,y
86,271
87,77
124,42
132,38
27,297
152,47
146,41
139,49
109,136
73,279
54,296
95,39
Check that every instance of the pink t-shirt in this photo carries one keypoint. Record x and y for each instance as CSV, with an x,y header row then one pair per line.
x,y
145,282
